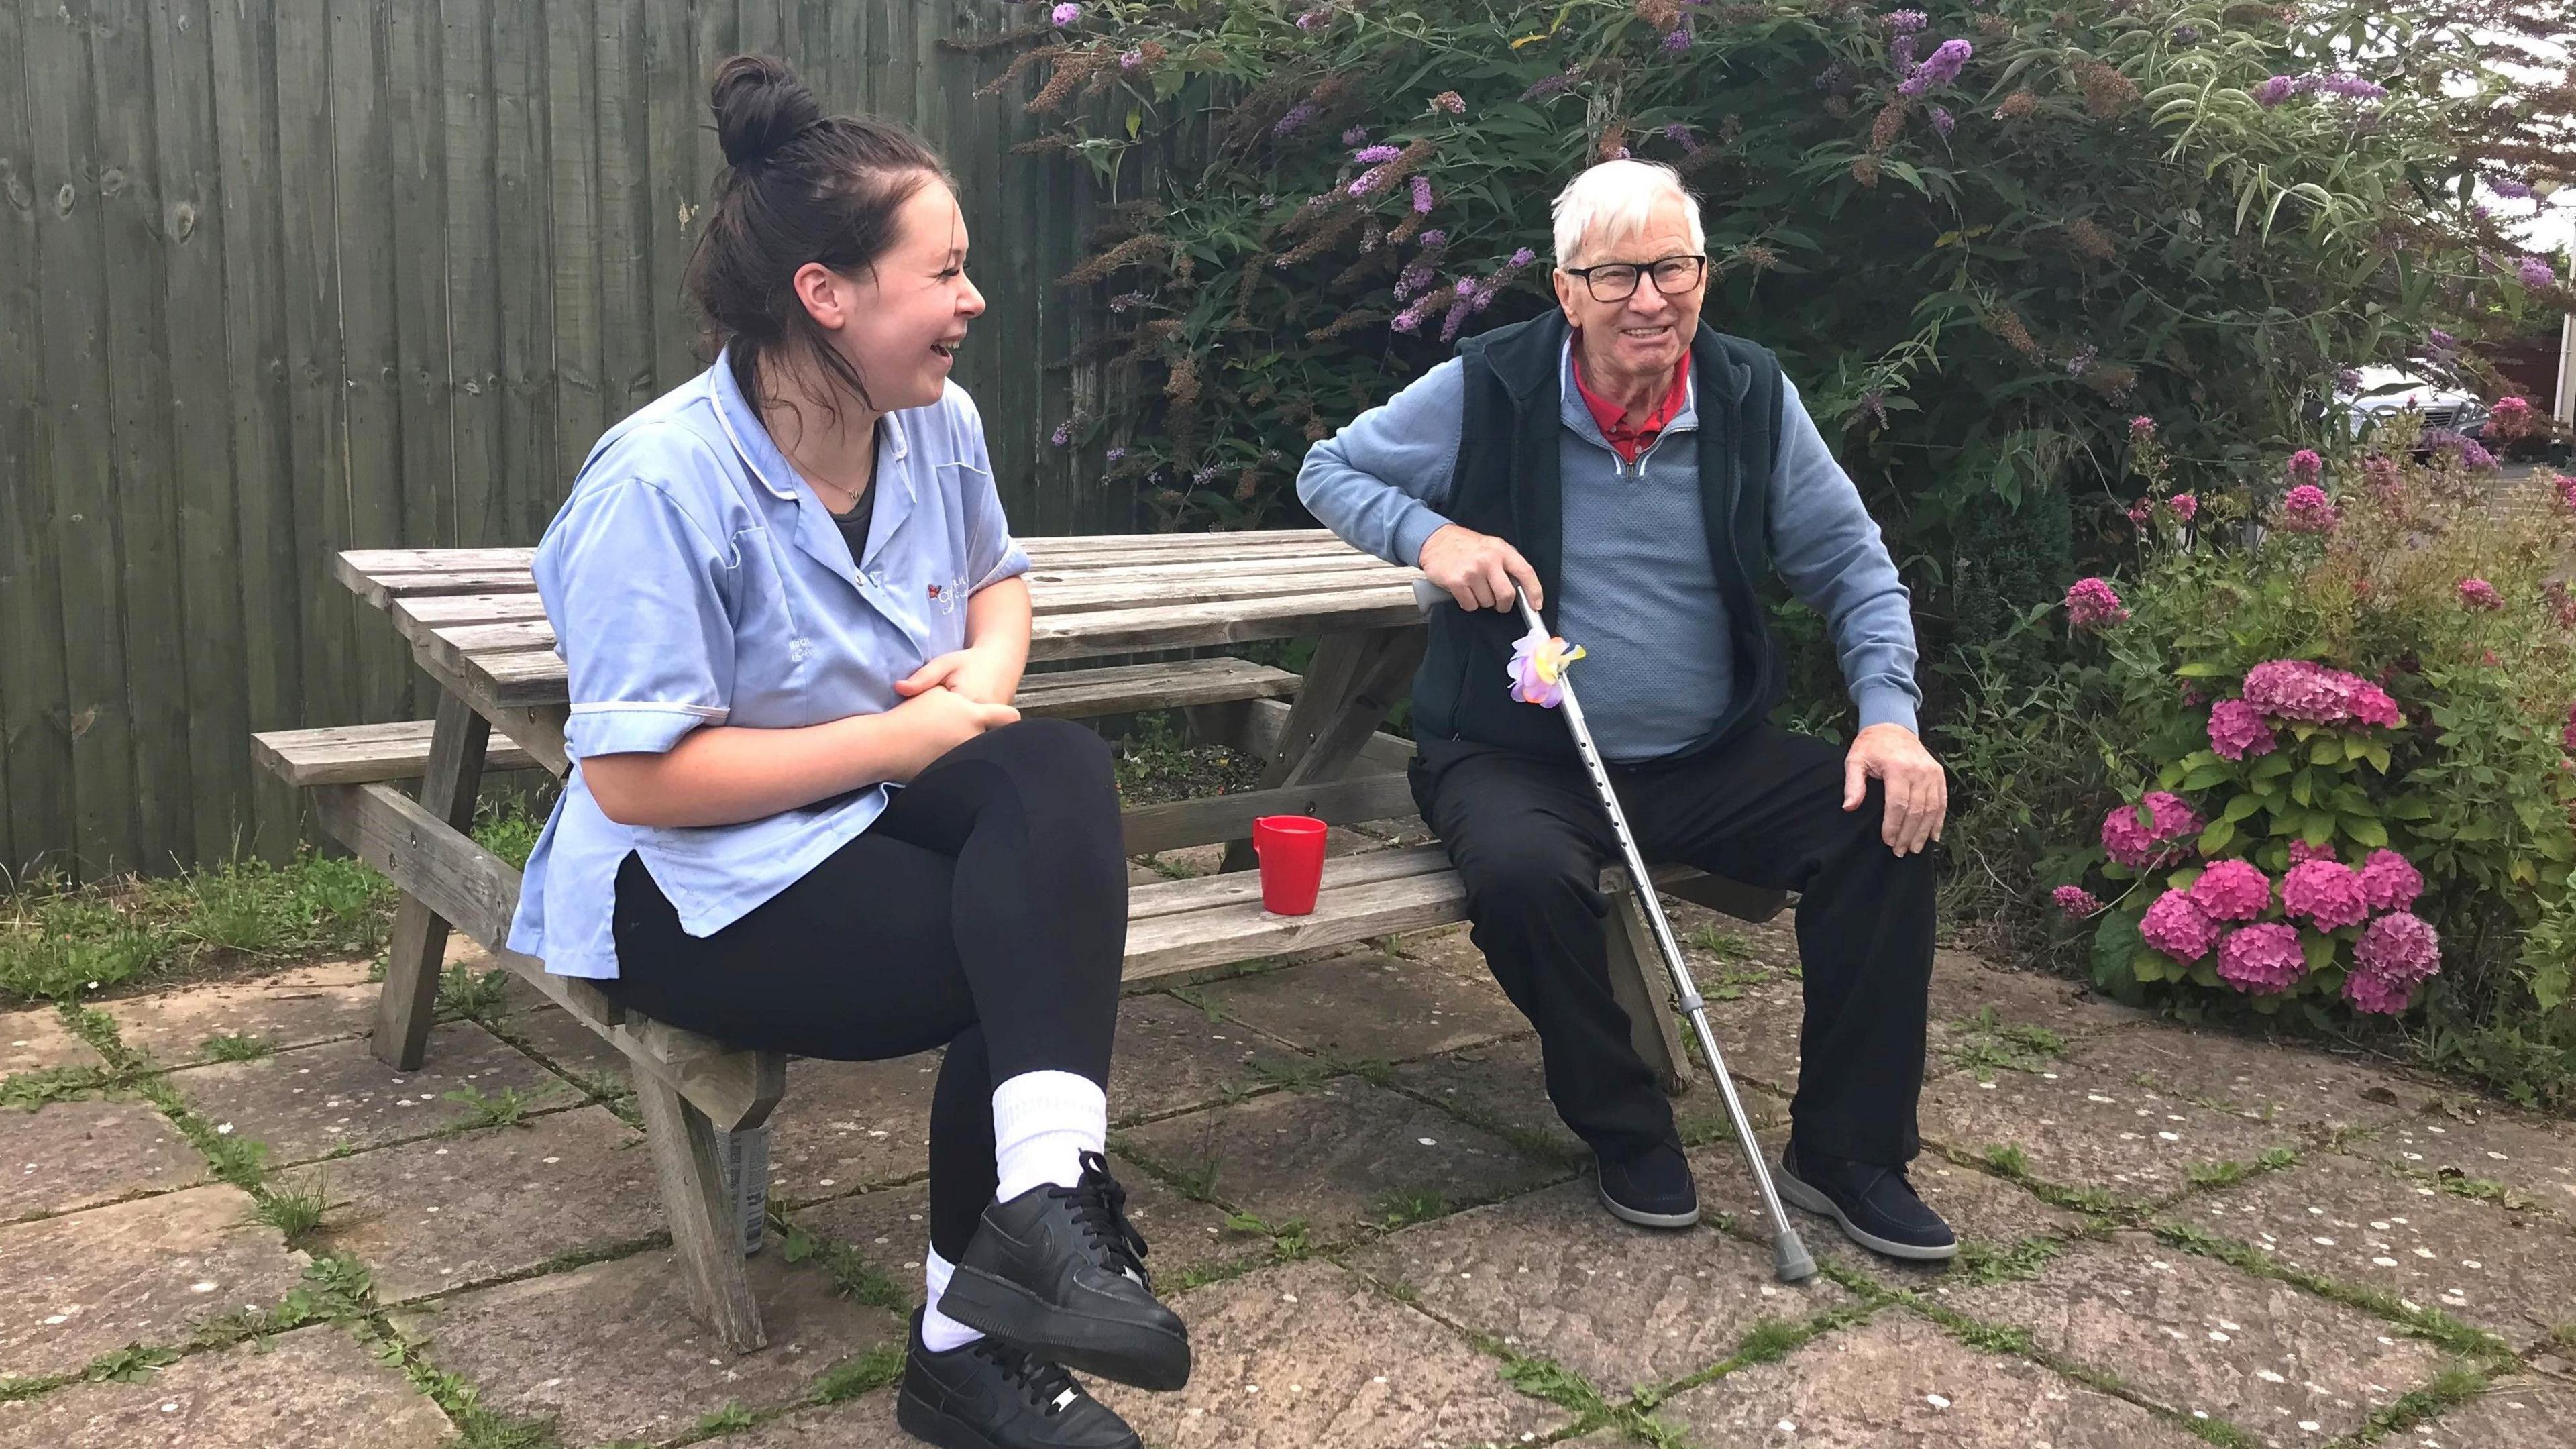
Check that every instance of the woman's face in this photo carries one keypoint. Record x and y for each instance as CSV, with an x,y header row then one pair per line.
x,y
901,324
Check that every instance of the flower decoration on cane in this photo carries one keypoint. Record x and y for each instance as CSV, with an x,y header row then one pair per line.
x,y
1538,668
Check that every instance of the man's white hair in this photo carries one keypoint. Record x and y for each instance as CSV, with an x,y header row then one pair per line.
x,y
1615,199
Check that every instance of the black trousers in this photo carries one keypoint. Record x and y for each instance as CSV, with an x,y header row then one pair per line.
x,y
984,911
1765,808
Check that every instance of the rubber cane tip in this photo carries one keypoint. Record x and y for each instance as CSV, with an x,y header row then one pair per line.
x,y
1789,1259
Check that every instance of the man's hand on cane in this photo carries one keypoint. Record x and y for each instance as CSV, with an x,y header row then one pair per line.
x,y
1918,791
1478,569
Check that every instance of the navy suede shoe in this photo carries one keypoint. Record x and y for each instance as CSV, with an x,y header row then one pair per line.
x,y
1652,1189
1875,1206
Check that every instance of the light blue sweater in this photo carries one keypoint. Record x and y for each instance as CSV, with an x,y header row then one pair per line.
x,y
1638,591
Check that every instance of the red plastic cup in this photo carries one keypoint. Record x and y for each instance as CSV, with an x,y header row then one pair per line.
x,y
1291,848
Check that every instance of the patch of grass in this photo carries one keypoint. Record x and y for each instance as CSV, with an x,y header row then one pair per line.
x,y
1547,1379
1704,1125
1289,1241
30,1090
1991,1337
298,1212
471,993
1724,945
505,1108
726,1420
131,1364
2563,1335
2457,1383
2216,1431
853,1276
508,826
2021,1259
1405,1207
238,1048
862,1374
2431,1324
1993,1043
1770,1341
2479,1189
1299,1074
2009,1160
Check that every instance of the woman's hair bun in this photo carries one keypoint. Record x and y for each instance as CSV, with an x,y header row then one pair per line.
x,y
760,106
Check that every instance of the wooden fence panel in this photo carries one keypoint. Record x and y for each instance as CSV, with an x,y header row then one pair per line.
x,y
284,277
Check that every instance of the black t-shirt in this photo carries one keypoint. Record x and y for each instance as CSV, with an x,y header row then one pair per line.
x,y
854,524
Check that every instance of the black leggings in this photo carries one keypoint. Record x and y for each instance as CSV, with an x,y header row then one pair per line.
x,y
985,910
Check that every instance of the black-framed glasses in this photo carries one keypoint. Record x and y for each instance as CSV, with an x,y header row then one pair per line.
x,y
1617,281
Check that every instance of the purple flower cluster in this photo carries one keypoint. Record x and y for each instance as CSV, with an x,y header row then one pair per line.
x,y
2303,690
1064,15
1449,103
2274,91
2480,596
2237,731
2395,955
2263,959
1422,195
2325,893
1131,59
2305,466
1900,54
1943,123
1298,118
2535,273
1373,155
1316,19
1677,41
2093,604
1554,85
2082,362
1355,136
2306,509
1938,69
2076,902
1905,22
2345,83
2509,188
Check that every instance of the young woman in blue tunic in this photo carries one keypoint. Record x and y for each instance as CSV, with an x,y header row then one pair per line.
x,y
803,816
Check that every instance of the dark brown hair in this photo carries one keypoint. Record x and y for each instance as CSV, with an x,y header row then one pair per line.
x,y
798,187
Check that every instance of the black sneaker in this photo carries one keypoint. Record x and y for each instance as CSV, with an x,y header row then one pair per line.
x,y
1060,1271
993,1395
1875,1206
1653,1189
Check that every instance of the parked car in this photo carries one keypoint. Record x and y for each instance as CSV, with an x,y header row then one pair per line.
x,y
2384,392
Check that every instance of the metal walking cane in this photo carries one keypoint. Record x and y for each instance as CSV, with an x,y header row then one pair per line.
x,y
1789,1258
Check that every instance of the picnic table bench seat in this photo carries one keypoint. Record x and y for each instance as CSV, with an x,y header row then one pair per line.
x,y
475,625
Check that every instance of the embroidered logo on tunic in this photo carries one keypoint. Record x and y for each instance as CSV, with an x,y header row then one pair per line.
x,y
934,592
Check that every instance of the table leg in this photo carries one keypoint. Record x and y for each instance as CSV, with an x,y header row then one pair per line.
x,y
1351,683
688,1159
418,951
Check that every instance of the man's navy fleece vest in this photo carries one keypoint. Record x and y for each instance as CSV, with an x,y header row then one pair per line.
x,y
1508,484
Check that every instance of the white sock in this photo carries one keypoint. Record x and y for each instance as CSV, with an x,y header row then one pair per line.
x,y
939,1332
1042,1124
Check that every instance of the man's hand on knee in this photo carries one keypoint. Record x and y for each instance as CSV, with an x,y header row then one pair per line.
x,y
1918,792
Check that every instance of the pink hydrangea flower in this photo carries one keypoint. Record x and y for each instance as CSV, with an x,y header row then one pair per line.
x,y
2389,881
2170,816
2178,927
2307,510
2399,948
2567,736
2301,852
2377,995
2326,892
2262,959
2480,595
2076,902
2093,604
2232,890
2306,466
2184,506
2237,730
2303,690
2127,840
2565,483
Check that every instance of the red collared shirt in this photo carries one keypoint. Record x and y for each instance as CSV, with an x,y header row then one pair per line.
x,y
1631,443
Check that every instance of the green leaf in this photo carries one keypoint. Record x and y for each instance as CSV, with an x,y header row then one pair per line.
x,y
2302,788
2150,964
2115,946
2319,950
1136,123
2325,750
2204,776
2198,669
2216,837
2377,755
2409,807
2366,831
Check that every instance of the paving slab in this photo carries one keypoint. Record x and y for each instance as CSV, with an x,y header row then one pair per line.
x,y
437,1215
1363,1006
2533,1156
2360,1222
1757,1029
290,1009
2194,1334
317,1388
337,1097
1502,1087
1965,985
1900,1382
610,1351
1340,1156
145,1272
573,1050
2282,1082
1305,1354
1173,1056
1553,1275
2088,1128
81,1153
890,1227
847,1125
2513,1413
32,1041
866,1422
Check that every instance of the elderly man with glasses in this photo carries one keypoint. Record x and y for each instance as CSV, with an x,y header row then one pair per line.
x,y
1637,474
